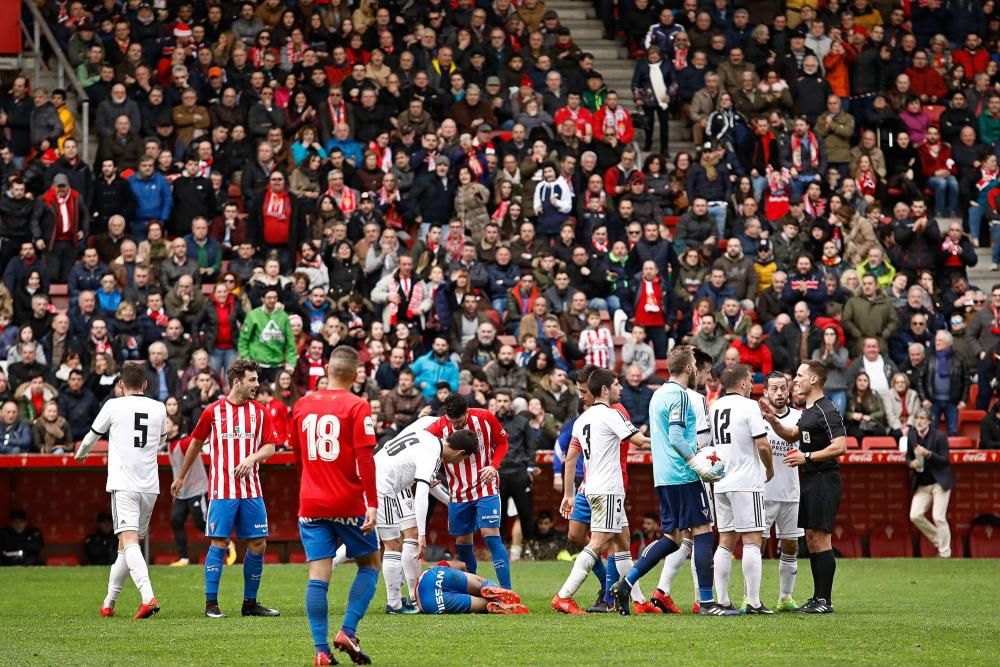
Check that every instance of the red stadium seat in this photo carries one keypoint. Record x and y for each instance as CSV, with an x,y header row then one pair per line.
x,y
271,558
962,442
164,559
757,391
968,424
297,557
852,442
973,394
63,561
928,550
934,112
879,442
890,541
984,542
847,541
101,447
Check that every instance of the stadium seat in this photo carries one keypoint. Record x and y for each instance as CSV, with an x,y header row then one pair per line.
x,y
847,541
934,112
164,559
962,442
63,561
890,541
100,448
852,442
968,424
928,550
297,557
973,394
879,442
271,558
984,542
757,391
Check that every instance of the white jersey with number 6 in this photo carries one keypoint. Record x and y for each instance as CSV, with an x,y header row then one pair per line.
x,y
736,422
135,427
784,486
410,456
600,431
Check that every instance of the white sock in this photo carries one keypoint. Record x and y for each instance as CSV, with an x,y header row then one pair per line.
x,y
581,570
723,563
623,561
392,568
140,573
341,556
788,567
411,566
515,552
694,577
672,565
119,570
752,567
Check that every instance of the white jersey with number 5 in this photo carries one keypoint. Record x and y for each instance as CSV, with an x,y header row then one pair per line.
x,y
135,427
736,422
410,456
600,431
784,486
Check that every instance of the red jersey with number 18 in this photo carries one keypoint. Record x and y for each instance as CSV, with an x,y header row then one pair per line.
x,y
333,437
233,433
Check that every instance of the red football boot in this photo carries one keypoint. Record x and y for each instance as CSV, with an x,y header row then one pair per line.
x,y
352,647
107,612
147,610
664,602
696,607
501,608
567,606
324,659
646,607
502,595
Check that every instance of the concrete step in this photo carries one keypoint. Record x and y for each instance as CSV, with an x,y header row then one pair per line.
x,y
575,13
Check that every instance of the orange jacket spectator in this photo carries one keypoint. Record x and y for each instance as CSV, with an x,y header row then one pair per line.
x,y
838,73
926,81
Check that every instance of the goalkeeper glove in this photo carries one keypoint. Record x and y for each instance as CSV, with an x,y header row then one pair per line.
x,y
706,471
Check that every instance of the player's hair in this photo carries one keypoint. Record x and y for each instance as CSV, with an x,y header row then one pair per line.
x,y
774,375
679,359
732,376
239,368
583,373
133,376
600,378
817,369
343,364
702,359
464,440
455,406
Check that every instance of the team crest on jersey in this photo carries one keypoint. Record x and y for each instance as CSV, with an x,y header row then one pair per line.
x,y
369,426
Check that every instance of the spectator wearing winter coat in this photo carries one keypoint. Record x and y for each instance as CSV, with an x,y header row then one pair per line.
x,y
153,197
803,156
505,374
86,275
835,129
434,367
754,353
696,229
118,104
804,284
635,397
739,270
919,241
78,405
46,128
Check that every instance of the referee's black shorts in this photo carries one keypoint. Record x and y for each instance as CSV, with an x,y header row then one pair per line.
x,y
819,500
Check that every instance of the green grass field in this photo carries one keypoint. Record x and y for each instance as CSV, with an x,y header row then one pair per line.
x,y
888,612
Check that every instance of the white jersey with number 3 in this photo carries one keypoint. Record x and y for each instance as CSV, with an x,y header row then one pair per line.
x,y
736,422
600,431
410,456
135,427
784,486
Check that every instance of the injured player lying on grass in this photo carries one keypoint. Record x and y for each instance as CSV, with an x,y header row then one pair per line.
x,y
447,589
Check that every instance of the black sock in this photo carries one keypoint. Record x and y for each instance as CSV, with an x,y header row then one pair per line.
x,y
824,566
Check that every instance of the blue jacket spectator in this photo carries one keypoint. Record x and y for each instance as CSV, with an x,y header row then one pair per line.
x,y
208,254
435,366
636,396
153,198
715,290
15,435
87,274
504,276
805,285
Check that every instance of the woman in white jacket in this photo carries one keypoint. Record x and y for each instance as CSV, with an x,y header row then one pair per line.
x,y
901,404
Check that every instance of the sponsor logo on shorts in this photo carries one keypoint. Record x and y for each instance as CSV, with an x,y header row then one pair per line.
x,y
439,591
261,527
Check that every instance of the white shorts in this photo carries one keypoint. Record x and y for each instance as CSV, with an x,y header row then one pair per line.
x,y
395,513
131,510
784,515
607,513
740,511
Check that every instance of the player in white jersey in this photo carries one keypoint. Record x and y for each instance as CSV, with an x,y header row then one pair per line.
x,y
781,494
600,431
136,427
412,457
672,564
741,441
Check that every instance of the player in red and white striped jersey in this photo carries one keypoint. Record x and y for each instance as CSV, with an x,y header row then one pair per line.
x,y
240,435
474,484
596,341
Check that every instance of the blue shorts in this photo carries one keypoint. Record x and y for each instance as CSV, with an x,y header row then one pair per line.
x,y
468,517
321,537
683,506
248,515
442,590
581,509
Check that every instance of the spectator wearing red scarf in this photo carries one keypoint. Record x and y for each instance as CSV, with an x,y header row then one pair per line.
x,y
69,222
275,223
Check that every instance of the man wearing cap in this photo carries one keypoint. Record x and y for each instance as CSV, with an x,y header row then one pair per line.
x,y
65,223
80,43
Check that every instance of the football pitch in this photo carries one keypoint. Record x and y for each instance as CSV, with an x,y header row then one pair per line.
x,y
901,612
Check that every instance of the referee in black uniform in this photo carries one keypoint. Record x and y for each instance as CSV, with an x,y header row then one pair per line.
x,y
822,440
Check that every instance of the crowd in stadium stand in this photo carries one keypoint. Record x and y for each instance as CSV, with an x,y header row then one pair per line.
x,y
452,188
